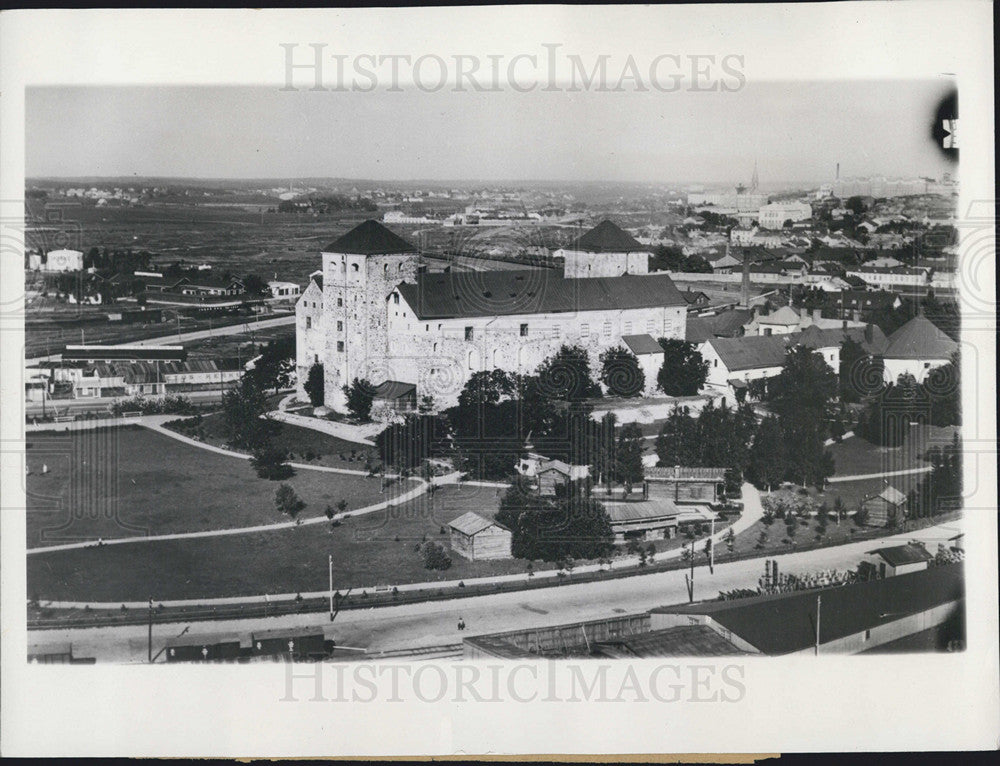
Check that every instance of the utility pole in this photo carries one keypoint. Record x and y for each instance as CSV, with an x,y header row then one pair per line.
x,y
149,640
330,561
711,548
819,601
689,579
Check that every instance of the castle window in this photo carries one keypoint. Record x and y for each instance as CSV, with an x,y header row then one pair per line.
x,y
628,328
340,345
427,328
435,348
472,366
468,335
340,302
395,298
343,267
309,323
524,330
340,326
354,267
385,269
607,328
585,329
651,325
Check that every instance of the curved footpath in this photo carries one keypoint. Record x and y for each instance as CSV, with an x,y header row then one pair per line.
x,y
752,511
155,423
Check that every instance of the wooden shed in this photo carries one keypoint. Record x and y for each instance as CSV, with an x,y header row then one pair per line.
x,y
884,505
476,538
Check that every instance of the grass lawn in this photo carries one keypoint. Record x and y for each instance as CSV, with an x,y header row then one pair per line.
x,y
854,455
122,482
305,444
852,493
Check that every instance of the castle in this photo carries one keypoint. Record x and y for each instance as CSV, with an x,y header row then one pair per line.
x,y
374,314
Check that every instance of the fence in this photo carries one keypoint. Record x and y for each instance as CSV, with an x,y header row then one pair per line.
x,y
367,600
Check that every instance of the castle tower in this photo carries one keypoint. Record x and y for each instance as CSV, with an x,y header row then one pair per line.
x,y
754,180
360,271
605,251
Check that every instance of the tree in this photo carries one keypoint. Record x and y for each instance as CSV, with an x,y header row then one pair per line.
x,y
254,285
629,469
621,373
435,557
274,367
730,539
270,463
565,376
768,462
314,385
242,407
683,371
360,395
805,382
677,442
287,502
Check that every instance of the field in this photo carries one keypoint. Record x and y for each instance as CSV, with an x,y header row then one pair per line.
x,y
131,482
856,456
368,550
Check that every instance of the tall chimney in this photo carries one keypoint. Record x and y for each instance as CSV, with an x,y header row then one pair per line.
x,y
745,286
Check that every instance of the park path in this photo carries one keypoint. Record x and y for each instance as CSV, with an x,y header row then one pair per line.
x,y
275,527
884,474
356,434
752,511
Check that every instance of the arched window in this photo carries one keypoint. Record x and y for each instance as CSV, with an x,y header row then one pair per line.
x,y
496,358
385,269
343,267
354,267
472,360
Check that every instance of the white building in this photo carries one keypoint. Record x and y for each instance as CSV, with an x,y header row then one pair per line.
x,y
604,251
309,337
284,290
889,277
916,348
62,260
773,216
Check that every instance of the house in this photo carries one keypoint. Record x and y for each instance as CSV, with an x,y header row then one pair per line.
x,y
477,538
684,484
784,321
916,348
694,298
284,290
897,560
774,215
61,260
649,519
401,397
650,355
886,504
554,473
852,618
605,251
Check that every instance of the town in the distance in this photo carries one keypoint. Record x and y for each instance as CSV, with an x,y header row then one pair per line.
x,y
328,419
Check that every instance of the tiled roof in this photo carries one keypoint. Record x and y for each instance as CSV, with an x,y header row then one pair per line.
x,y
607,237
533,291
920,339
642,344
897,555
697,330
370,238
471,523
787,622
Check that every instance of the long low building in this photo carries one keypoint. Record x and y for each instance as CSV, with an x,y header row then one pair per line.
x,y
844,619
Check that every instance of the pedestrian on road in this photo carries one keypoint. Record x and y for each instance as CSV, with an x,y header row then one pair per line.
x,y
461,624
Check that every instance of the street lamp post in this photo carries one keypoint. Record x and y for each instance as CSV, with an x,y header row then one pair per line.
x,y
330,563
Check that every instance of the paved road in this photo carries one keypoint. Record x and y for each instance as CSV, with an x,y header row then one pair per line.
x,y
435,623
883,474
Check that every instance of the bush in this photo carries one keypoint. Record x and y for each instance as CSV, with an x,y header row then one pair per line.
x,y
270,463
435,557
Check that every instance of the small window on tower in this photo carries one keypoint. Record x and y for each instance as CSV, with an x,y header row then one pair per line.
x,y
395,298
340,302
524,330
340,345
340,326
309,323
354,267
468,333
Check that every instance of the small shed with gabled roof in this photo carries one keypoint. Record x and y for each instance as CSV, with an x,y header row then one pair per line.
x,y
476,537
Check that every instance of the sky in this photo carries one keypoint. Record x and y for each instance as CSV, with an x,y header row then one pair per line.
x,y
796,132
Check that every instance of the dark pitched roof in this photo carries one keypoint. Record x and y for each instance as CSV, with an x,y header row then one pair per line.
x,y
607,237
897,555
370,238
728,324
394,389
697,330
642,344
786,622
681,641
532,291
752,352
626,511
870,338
919,339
